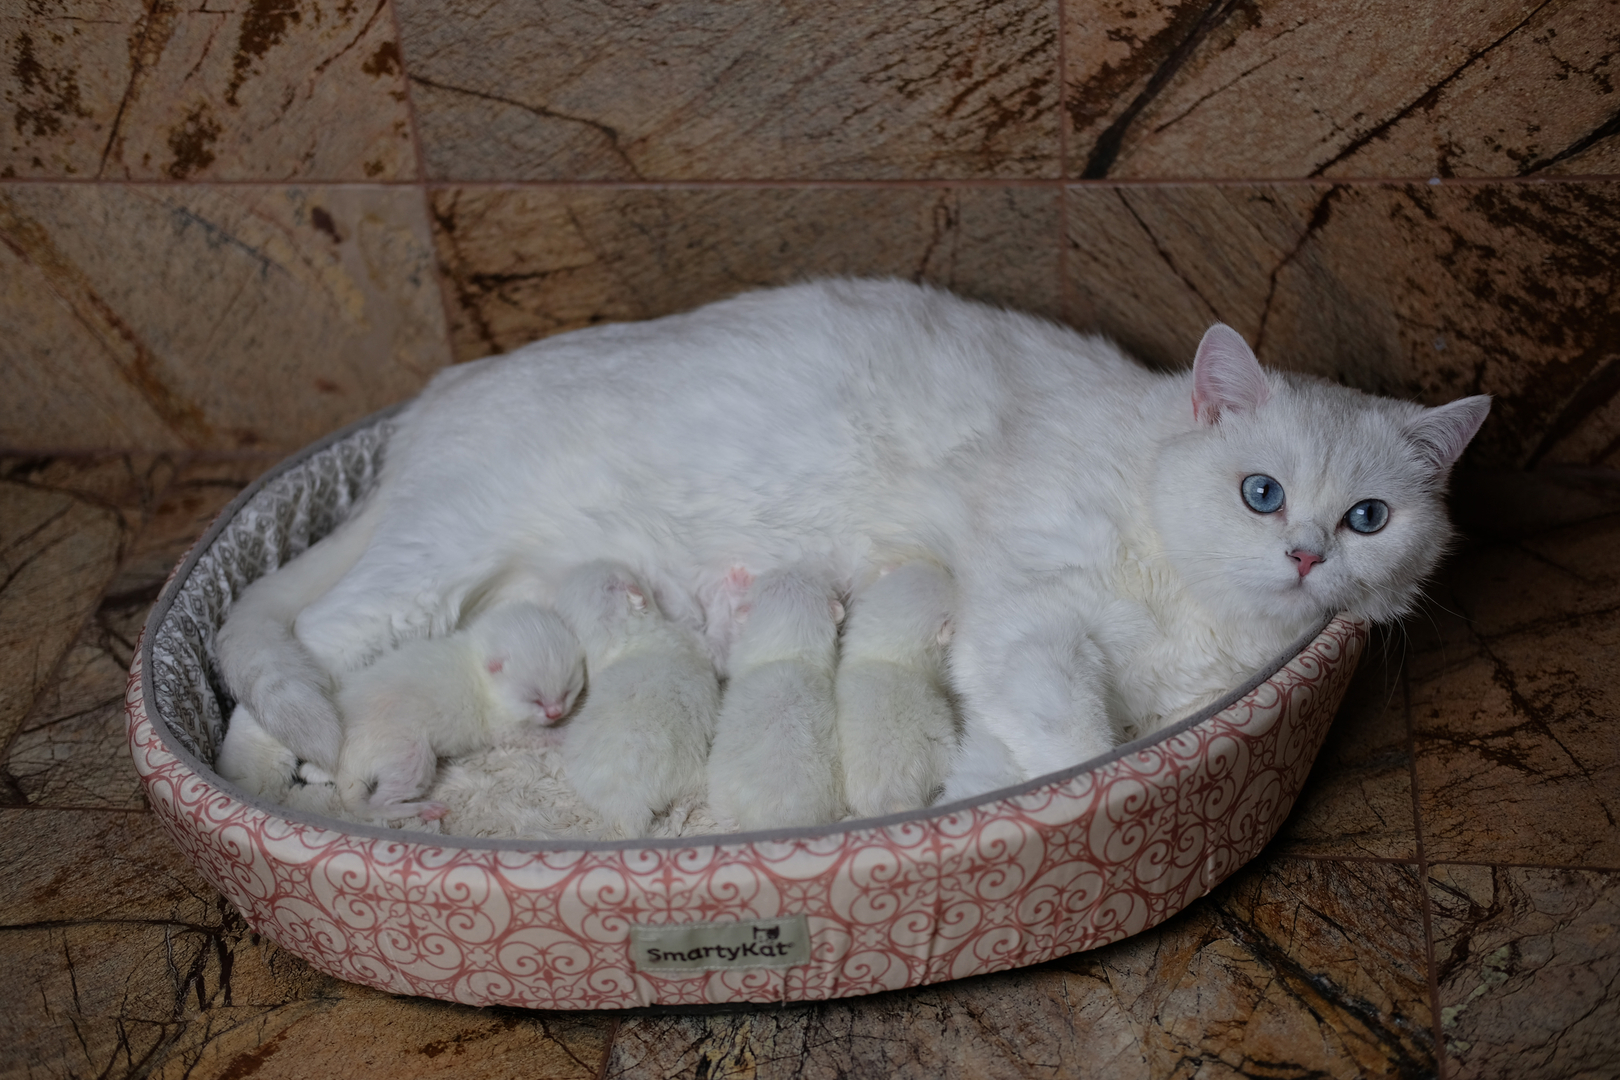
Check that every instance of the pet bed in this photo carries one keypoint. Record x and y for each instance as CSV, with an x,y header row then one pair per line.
x,y
1069,861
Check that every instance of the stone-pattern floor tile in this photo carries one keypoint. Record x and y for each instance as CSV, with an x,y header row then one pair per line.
x,y
210,317
94,865
522,263
1300,88
1515,686
1427,292
1528,964
264,90
1297,967
176,999
96,999
1357,802
57,553
71,750
707,90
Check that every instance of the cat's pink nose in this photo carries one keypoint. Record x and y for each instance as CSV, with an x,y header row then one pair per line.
x,y
1304,560
554,712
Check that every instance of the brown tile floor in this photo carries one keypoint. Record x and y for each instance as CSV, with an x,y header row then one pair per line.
x,y
1444,900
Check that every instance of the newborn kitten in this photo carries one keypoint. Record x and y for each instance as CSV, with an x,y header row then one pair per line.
x,y
642,736
514,664
774,762
896,730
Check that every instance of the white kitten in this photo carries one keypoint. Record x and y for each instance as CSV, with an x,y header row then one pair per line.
x,y
1111,573
896,731
641,738
516,663
774,761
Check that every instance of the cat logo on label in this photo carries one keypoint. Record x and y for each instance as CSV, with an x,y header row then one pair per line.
x,y
753,943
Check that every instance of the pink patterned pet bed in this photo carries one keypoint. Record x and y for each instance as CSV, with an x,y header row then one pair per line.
x,y
1067,862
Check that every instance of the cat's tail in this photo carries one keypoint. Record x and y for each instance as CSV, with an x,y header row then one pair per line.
x,y
267,668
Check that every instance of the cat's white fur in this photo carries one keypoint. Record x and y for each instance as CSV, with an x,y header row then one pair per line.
x,y
515,664
1109,575
774,761
639,742
896,728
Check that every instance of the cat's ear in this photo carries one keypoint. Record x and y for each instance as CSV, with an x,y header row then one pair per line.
x,y
1226,375
1442,433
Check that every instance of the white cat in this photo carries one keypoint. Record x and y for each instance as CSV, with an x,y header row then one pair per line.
x,y
514,664
639,742
774,762
1127,544
896,730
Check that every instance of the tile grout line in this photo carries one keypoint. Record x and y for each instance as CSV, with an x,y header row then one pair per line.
x,y
1441,1061
607,1049
834,182
424,188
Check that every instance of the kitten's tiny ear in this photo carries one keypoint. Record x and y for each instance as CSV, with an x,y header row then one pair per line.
x,y
1226,375
638,599
1442,433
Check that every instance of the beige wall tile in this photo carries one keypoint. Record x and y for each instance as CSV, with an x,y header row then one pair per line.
x,y
263,90
714,90
1528,963
1372,88
1420,291
213,318
529,262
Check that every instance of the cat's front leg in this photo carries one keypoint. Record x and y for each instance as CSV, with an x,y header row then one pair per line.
x,y
373,608
1031,674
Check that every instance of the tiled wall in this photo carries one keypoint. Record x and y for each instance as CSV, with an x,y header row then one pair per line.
x,y
237,227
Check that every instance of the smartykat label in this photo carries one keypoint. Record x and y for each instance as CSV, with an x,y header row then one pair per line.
x,y
756,943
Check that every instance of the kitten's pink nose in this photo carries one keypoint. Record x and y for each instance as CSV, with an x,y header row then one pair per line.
x,y
1304,560
554,712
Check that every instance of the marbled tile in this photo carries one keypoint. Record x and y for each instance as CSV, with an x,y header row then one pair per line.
x,y
706,89
199,490
96,998
1357,801
1528,963
524,263
57,553
1297,967
171,999
1428,292
1515,686
263,90
1175,89
362,1032
94,865
214,318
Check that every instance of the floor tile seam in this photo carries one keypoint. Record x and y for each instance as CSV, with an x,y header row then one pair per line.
x,y
1500,864
211,929
607,1049
1431,970
673,183
1383,860
41,807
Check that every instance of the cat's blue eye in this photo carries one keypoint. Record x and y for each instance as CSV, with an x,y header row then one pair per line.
x,y
1367,516
1262,494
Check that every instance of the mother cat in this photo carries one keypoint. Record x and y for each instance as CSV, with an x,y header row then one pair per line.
x,y
1127,544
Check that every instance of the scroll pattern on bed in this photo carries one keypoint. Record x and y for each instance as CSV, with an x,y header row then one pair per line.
x,y
1074,864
